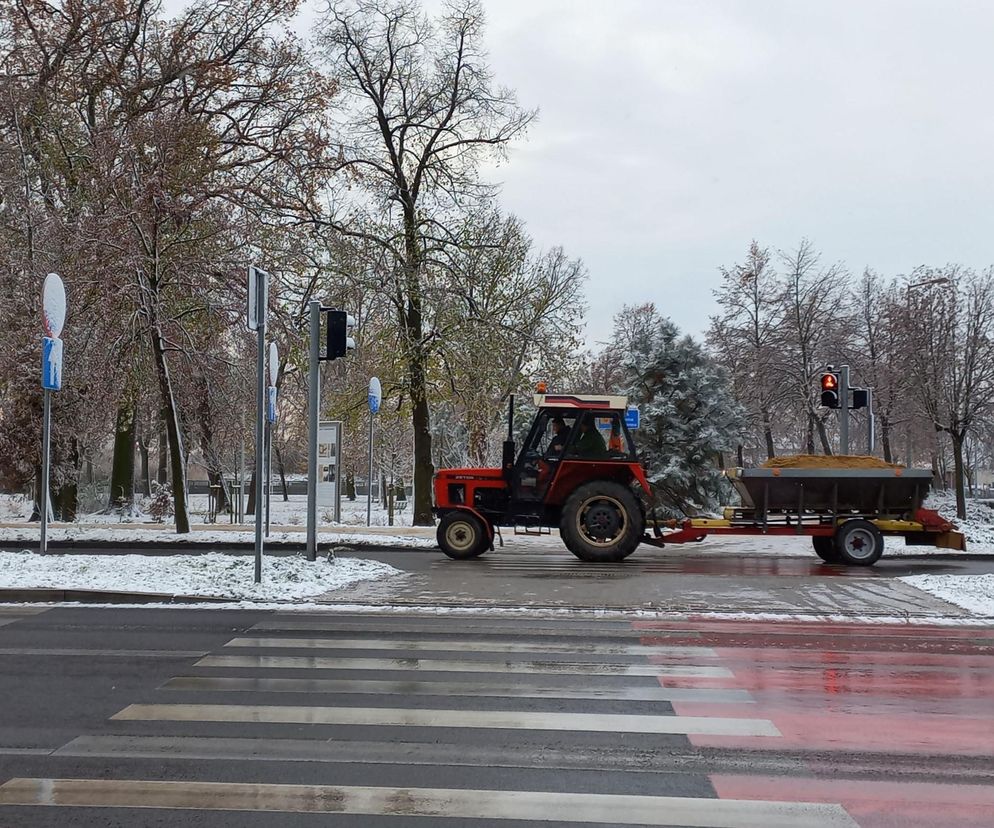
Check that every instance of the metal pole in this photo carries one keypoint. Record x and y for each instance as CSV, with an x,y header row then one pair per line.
x,y
369,485
313,403
871,427
260,426
46,433
241,475
269,471
844,410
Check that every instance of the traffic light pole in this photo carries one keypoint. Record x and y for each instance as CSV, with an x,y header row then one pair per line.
x,y
260,425
871,426
844,409
313,402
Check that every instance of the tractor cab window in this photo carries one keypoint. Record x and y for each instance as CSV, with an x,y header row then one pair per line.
x,y
542,452
601,437
549,435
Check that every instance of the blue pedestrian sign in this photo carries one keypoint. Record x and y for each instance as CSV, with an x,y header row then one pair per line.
x,y
633,417
271,403
51,363
375,395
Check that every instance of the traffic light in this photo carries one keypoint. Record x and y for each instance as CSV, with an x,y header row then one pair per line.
x,y
340,340
830,390
860,398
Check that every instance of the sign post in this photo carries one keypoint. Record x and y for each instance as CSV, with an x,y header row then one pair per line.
x,y
258,304
375,397
274,367
53,317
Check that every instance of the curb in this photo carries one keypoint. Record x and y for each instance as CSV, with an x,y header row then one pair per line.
x,y
96,596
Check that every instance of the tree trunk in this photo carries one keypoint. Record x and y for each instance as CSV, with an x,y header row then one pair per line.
x,y
417,369
250,507
771,450
885,438
477,441
215,472
740,456
143,441
162,455
122,474
826,444
958,473
383,490
65,499
170,415
282,467
424,470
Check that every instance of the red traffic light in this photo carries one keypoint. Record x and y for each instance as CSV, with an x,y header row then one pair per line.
x,y
830,390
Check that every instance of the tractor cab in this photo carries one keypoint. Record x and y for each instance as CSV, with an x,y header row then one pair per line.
x,y
568,428
576,469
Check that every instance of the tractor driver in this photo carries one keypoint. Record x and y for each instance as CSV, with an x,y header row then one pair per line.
x,y
560,432
590,443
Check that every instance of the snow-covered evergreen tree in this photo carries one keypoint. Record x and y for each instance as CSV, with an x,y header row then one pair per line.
x,y
689,416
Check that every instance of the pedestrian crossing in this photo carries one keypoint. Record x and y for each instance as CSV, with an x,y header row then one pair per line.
x,y
465,720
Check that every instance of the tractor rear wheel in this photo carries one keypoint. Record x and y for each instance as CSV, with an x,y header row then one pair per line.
x,y
602,522
462,535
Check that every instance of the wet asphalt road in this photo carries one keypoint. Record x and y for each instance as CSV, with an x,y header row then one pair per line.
x,y
168,717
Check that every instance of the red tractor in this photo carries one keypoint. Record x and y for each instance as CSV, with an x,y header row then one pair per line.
x,y
576,470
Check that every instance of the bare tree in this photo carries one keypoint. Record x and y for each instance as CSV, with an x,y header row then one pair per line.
x,y
426,113
746,336
811,306
951,352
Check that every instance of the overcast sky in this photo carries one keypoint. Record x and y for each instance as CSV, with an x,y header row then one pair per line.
x,y
672,132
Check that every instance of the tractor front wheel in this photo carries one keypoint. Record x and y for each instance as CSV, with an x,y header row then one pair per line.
x,y
602,522
462,535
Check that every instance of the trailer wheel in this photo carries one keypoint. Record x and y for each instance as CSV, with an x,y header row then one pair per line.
x,y
859,543
602,522
825,548
462,535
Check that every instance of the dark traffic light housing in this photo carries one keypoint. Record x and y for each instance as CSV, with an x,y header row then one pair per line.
x,y
830,390
340,340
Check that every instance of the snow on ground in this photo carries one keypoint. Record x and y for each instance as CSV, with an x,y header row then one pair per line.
x,y
211,575
972,592
979,524
96,535
292,512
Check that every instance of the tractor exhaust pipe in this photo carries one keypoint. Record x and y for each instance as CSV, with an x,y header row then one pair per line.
x,y
507,460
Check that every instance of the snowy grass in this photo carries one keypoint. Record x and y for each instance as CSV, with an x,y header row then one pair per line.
x,y
978,526
291,578
971,592
97,535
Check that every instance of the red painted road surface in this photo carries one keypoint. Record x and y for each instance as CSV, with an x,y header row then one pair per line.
x,y
915,703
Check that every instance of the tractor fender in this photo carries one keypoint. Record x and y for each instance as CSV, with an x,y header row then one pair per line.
x,y
485,521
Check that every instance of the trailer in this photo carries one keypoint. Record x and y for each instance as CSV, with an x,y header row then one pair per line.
x,y
845,512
